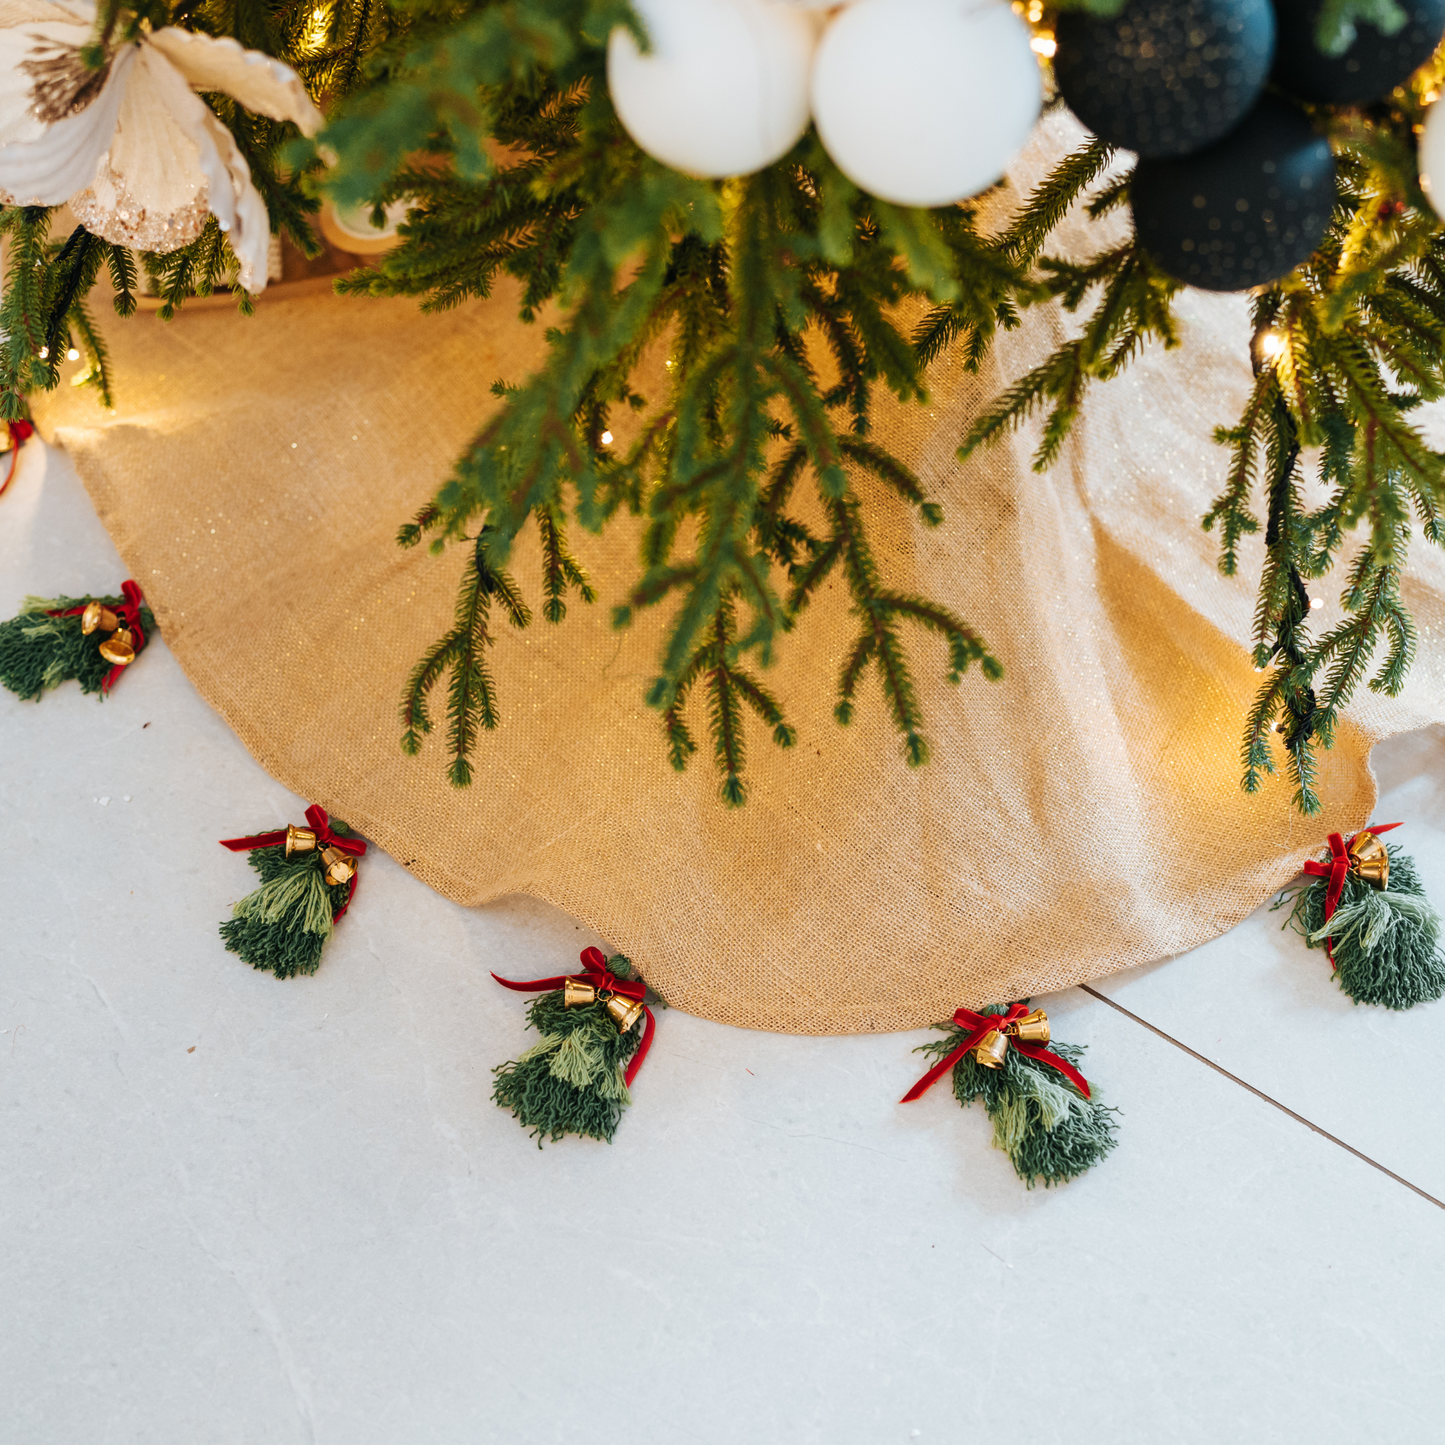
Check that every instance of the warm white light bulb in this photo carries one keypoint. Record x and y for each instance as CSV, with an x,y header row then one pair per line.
x,y
1272,346
72,355
44,352
1044,45
1316,602
607,438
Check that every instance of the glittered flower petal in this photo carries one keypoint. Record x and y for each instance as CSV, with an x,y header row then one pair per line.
x,y
64,158
109,209
18,121
157,142
260,83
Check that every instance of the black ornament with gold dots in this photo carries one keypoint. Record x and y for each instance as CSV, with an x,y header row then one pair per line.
x,y
1244,212
1165,77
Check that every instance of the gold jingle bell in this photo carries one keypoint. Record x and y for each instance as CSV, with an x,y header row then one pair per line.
x,y
576,994
991,1050
1370,859
340,867
117,649
299,840
624,1011
1033,1028
97,617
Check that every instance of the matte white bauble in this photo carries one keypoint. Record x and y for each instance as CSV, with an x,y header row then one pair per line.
x,y
1432,157
724,90
925,102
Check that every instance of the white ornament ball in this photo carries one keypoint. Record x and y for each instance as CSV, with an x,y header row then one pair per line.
x,y
1432,157
925,102
724,90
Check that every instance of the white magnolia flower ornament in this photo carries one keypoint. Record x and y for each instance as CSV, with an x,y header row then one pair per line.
x,y
141,159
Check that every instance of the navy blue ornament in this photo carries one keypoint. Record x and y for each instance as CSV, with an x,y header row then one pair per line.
x,y
1165,77
1370,69
1244,212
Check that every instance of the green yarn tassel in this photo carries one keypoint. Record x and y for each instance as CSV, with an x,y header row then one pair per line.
x,y
284,924
1386,945
571,1080
1048,1129
38,652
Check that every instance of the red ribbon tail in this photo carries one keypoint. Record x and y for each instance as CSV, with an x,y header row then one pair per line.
x,y
933,1076
1054,1061
642,1048
1338,872
533,985
350,895
945,1064
260,840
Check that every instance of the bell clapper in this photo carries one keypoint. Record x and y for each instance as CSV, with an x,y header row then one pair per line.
x,y
624,1012
119,648
992,1049
340,868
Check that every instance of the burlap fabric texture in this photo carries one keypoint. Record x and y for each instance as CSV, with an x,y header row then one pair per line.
x,y
1081,816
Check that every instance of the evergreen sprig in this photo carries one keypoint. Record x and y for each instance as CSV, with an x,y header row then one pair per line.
x,y
471,703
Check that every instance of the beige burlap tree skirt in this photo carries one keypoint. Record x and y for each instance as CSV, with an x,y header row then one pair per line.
x,y
1080,816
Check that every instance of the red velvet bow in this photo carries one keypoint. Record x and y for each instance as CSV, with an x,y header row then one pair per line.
x,y
1337,870
320,824
978,1025
20,432
128,611
603,980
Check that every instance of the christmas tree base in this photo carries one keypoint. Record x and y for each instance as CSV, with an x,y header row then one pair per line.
x,y
1081,816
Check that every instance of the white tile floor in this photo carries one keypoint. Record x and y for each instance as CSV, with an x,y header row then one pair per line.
x,y
242,1210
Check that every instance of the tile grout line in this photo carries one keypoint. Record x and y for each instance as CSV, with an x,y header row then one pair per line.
x,y
1259,1094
